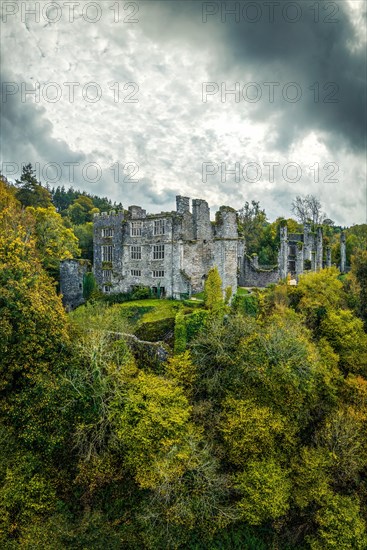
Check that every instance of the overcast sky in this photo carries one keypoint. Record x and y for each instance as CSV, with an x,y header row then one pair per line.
x,y
136,96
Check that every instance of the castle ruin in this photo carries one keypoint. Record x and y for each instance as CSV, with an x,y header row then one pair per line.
x,y
172,252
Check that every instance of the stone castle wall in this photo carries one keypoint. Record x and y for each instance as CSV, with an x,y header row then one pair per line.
x,y
72,273
256,276
172,251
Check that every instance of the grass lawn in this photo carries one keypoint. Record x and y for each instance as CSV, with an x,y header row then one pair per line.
x,y
198,296
241,291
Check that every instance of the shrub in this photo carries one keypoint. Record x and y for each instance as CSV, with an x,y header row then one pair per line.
x,y
194,322
141,293
248,304
89,285
153,331
213,296
180,334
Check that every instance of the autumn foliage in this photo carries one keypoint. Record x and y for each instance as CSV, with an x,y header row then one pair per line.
x,y
252,434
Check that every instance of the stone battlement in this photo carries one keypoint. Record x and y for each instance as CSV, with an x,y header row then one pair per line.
x,y
106,214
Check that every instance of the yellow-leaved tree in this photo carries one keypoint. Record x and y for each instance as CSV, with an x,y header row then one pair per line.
x,y
54,241
33,322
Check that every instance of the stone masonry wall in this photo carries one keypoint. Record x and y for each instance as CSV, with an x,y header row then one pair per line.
x,y
256,276
192,245
72,274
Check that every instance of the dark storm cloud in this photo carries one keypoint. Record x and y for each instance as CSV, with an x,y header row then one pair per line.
x,y
305,52
311,53
26,133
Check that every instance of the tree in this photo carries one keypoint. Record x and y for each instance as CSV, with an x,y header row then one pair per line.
x,y
82,210
359,272
33,331
284,367
30,191
251,224
180,333
340,525
342,435
265,489
308,208
312,480
213,294
84,234
268,246
253,431
153,429
356,242
218,354
54,241
345,333
181,369
318,293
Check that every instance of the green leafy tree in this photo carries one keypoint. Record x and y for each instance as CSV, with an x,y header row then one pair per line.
x,y
218,353
54,241
253,431
181,369
345,333
340,525
213,294
311,476
356,242
341,434
281,359
266,489
180,333
33,323
27,495
154,428
30,191
251,223
269,242
84,234
319,292
82,210
359,272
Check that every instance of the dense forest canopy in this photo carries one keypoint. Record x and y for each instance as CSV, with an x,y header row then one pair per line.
x,y
221,422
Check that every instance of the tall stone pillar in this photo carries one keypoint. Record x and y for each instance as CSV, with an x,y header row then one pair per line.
x,y
299,260
343,252
307,240
283,252
328,256
319,249
201,219
313,260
